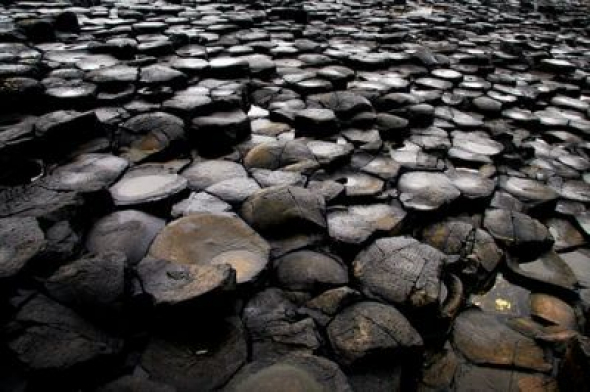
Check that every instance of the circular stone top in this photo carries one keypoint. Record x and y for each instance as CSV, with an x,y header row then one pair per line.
x,y
426,191
147,187
207,239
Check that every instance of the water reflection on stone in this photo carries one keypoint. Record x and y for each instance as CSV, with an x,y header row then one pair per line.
x,y
504,298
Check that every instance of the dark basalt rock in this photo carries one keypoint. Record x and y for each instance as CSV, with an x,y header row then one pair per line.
x,y
62,131
316,122
200,203
549,270
402,271
135,383
485,340
129,232
219,131
234,191
283,209
359,223
38,30
573,373
276,328
369,328
200,240
277,155
202,175
49,336
528,191
67,21
480,256
276,376
39,201
307,270
140,187
494,379
21,239
297,372
189,102
115,76
152,136
425,191
565,234
552,310
18,91
154,75
92,282
169,360
518,231
172,284
88,173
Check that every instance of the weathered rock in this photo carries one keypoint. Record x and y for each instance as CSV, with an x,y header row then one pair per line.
x,y
161,75
135,383
439,369
490,379
573,373
276,155
202,240
229,67
565,234
328,154
65,130
39,201
472,185
331,302
279,376
276,328
234,191
344,104
219,131
129,232
267,178
192,101
480,256
574,190
485,340
200,203
357,224
553,310
548,270
316,122
92,282
367,328
118,75
284,209
528,191
426,191
21,239
170,284
400,270
63,242
151,135
88,173
140,187
307,270
517,231
296,373
172,361
202,175
49,336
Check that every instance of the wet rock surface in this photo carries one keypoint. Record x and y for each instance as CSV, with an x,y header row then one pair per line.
x,y
359,195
